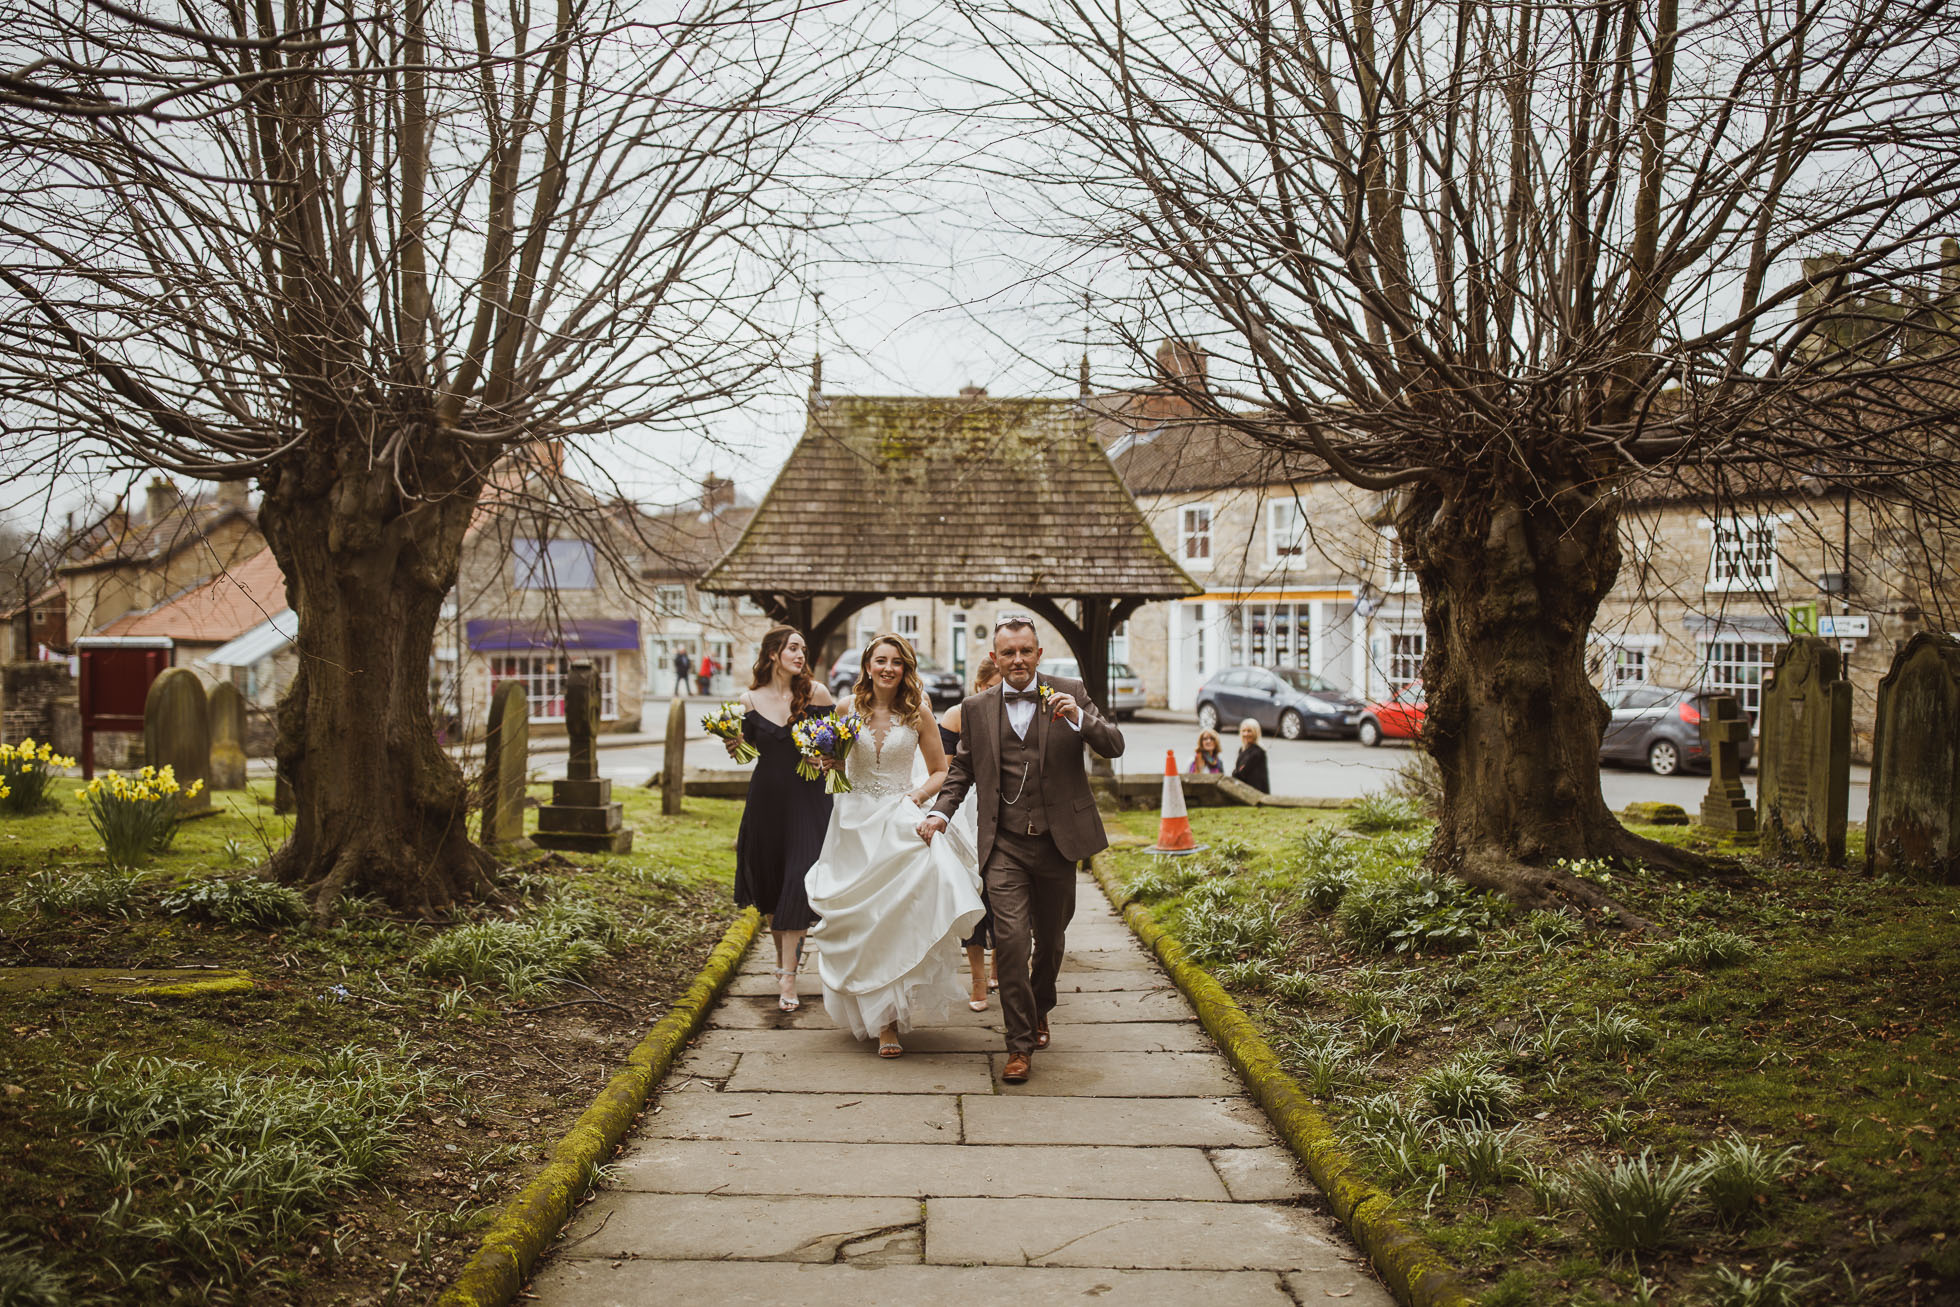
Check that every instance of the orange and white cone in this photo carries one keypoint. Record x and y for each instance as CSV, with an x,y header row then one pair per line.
x,y
1174,828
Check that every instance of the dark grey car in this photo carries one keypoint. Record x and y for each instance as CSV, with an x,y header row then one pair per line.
x,y
1659,728
1287,701
942,687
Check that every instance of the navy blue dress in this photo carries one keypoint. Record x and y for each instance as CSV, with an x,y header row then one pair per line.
x,y
783,826
983,931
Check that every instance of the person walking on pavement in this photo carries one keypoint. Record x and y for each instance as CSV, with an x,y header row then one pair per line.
x,y
1021,753
682,666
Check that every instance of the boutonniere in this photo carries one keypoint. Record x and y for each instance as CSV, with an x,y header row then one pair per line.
x,y
1046,692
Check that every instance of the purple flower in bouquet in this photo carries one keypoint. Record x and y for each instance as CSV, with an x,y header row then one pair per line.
x,y
827,738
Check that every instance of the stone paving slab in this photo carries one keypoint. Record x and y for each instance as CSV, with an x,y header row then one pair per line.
x,y
1154,1005
1261,1175
759,1012
1116,1036
1084,1074
679,1227
691,1166
706,1064
589,1283
859,1070
1125,1235
812,1118
1126,978
1348,1283
1124,1122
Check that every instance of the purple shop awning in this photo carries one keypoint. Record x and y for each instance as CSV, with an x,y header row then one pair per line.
x,y
495,635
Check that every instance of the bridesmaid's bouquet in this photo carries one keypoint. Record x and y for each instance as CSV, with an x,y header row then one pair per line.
x,y
725,722
831,737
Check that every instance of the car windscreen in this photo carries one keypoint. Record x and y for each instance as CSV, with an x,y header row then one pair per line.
x,y
1121,672
1304,681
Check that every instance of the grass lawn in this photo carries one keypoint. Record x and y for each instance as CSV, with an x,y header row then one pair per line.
x,y
1524,1085
336,1133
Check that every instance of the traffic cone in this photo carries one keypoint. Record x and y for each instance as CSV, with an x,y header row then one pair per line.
x,y
1174,828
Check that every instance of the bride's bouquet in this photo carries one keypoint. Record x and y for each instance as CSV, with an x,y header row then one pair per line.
x,y
725,722
830,736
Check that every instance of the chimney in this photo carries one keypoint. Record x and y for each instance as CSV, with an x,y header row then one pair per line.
x,y
160,496
717,493
1182,363
973,392
549,456
235,493
1082,376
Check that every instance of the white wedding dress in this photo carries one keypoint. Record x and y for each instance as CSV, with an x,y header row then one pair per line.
x,y
894,907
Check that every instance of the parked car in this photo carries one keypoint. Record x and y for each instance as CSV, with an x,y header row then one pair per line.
x,y
1398,717
1125,686
1659,727
943,687
1284,700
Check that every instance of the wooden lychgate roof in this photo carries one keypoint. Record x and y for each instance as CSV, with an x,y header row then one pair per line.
x,y
967,496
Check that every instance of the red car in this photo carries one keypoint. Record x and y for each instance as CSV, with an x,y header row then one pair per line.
x,y
1398,717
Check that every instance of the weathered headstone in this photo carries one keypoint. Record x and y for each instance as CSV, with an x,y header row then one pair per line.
x,y
506,764
581,817
225,708
1726,805
1913,825
1804,774
177,734
673,777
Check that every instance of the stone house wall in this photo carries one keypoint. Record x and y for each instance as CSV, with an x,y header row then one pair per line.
x,y
99,595
28,694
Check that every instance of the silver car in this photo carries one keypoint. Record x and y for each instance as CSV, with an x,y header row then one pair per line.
x,y
1126,693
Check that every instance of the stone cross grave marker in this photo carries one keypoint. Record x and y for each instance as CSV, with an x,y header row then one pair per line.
x,y
673,778
582,817
1726,805
177,734
1913,825
226,712
506,764
1804,780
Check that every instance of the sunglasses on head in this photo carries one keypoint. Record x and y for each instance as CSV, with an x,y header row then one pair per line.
x,y
1013,619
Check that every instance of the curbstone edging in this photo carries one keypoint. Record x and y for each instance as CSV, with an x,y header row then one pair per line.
x,y
529,1222
1413,1271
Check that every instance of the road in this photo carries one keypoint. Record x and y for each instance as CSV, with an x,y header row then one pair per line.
x,y
1321,769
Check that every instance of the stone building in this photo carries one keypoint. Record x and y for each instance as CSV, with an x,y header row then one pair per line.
x,y
135,562
679,546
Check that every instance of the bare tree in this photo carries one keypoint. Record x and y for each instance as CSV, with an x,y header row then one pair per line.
x,y
1498,262
361,250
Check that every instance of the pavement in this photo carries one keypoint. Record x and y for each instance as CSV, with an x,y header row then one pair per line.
x,y
1315,769
783,1162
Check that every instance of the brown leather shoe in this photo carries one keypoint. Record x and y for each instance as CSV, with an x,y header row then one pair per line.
x,y
1041,1033
1016,1070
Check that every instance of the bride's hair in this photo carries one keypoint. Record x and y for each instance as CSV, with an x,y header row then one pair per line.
x,y
801,687
911,694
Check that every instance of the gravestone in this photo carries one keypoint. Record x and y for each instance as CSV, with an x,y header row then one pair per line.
x,y
1726,805
225,709
177,734
1803,778
1913,825
582,817
506,765
673,779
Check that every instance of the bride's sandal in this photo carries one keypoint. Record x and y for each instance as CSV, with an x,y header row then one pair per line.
x,y
786,1002
888,1045
979,1000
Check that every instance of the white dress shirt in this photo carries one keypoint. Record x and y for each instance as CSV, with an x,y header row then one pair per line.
x,y
1020,712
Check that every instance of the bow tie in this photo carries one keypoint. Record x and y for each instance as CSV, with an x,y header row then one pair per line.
x,y
1030,695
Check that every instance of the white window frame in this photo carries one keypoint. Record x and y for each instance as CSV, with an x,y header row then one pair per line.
x,y
1726,663
1286,532
1742,553
543,678
712,605
906,623
1405,654
1628,666
1397,578
670,601
1190,536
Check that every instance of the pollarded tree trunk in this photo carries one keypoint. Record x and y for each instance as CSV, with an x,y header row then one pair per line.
x,y
1512,576
381,809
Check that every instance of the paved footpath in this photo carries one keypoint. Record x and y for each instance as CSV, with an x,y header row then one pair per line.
x,y
785,1163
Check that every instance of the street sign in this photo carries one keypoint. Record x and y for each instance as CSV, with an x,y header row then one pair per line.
x,y
1844,628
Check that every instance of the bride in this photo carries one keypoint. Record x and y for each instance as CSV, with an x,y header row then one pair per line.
x,y
894,908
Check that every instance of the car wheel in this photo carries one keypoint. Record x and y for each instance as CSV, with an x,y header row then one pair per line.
x,y
1291,725
1663,758
1208,716
1370,733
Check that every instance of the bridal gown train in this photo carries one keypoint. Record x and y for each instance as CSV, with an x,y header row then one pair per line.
x,y
894,908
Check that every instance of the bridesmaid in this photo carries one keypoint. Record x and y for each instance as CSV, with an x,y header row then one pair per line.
x,y
982,940
784,821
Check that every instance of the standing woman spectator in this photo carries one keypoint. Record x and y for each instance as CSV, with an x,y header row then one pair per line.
x,y
965,831
1210,756
706,680
1250,765
784,820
